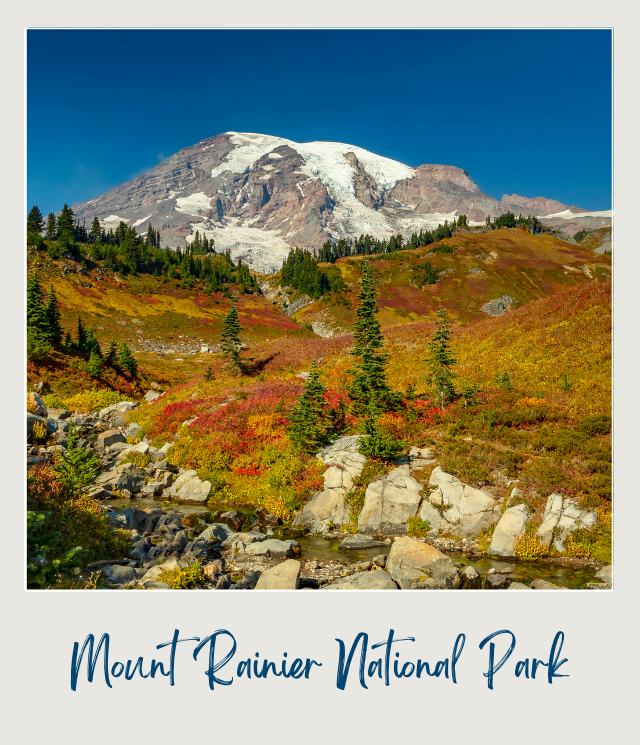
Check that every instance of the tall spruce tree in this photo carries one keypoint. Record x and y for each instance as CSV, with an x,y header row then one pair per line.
x,y
51,231
52,311
66,224
81,337
126,360
95,231
38,331
35,221
230,343
440,361
308,428
369,381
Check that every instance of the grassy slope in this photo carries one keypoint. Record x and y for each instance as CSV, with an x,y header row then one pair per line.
x,y
483,266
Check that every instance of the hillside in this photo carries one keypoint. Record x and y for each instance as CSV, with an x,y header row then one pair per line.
x,y
468,271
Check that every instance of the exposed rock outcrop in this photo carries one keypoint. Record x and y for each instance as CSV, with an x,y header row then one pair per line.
x,y
561,517
416,565
509,528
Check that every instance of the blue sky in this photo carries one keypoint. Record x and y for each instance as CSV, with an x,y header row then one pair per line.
x,y
525,112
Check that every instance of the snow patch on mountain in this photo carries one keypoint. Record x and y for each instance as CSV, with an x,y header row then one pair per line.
x,y
249,148
264,250
195,204
569,215
140,221
111,221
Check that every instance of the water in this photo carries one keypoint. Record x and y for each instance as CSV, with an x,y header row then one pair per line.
x,y
321,549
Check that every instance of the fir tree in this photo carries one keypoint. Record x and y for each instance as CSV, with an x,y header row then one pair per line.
x,y
65,224
95,231
78,465
35,221
95,365
308,425
81,337
375,442
441,361
230,343
38,331
110,359
369,382
50,233
52,311
126,360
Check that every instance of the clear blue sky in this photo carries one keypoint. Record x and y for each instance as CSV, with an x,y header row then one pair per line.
x,y
522,111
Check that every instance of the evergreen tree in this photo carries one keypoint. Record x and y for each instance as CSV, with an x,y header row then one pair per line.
x,y
375,442
95,231
81,337
112,355
95,365
369,382
308,428
50,234
230,343
126,360
78,465
65,224
440,361
35,221
52,311
38,331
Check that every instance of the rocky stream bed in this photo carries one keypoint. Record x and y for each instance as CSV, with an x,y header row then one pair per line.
x,y
172,523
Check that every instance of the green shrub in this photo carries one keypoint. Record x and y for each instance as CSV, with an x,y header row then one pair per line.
x,y
187,578
417,527
527,547
599,424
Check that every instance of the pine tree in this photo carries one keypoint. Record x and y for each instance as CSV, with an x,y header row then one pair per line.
x,y
126,360
95,365
441,361
95,231
375,442
50,234
78,465
308,428
66,224
35,221
81,337
112,354
38,331
230,343
369,382
52,311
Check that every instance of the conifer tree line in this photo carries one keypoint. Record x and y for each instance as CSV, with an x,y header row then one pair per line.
x,y
312,423
300,270
125,251
509,220
45,333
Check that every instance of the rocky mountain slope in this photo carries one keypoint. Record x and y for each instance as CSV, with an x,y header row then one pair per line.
x,y
259,195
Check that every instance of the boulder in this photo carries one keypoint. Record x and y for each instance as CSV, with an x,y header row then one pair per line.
x,y
216,533
188,488
471,580
274,548
109,437
121,408
456,507
283,576
169,565
510,527
238,541
344,453
416,565
389,502
325,510
360,541
133,430
151,395
518,586
125,476
604,575
561,517
116,575
420,458
35,405
376,580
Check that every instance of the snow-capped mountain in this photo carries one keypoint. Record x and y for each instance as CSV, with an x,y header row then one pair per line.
x,y
260,195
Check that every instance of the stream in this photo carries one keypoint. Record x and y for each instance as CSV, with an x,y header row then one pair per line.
x,y
319,548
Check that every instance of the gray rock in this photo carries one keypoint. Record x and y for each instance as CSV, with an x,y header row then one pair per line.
x,y
496,581
604,574
121,407
274,548
133,430
510,527
108,438
498,306
471,580
188,488
283,576
360,541
151,395
153,585
414,564
375,580
326,509
169,565
518,586
37,405
542,584
456,507
217,533
126,476
117,574
238,541
561,517
389,502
